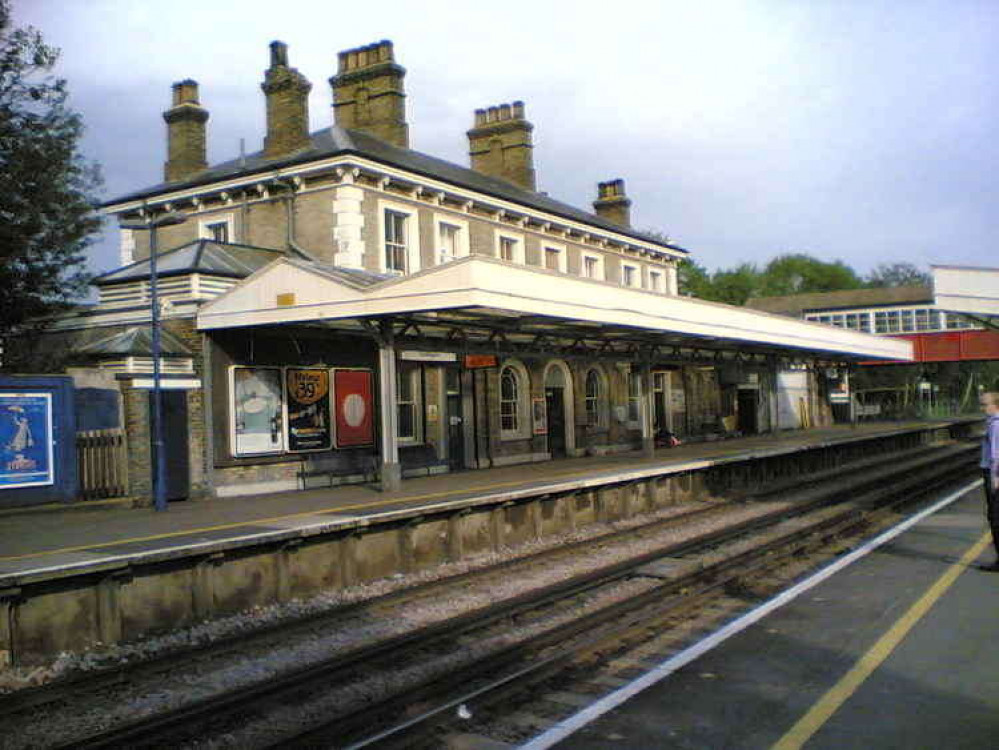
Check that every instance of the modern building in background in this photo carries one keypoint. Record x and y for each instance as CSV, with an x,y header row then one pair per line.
x,y
341,307
954,353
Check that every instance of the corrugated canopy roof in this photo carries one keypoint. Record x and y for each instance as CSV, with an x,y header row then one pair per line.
x,y
336,141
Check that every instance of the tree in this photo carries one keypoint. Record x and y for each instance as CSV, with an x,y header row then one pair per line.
x,y
47,215
735,286
693,279
898,274
799,273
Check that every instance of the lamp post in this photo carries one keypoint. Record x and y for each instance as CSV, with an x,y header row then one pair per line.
x,y
151,224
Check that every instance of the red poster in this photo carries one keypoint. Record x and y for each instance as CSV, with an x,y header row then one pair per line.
x,y
354,408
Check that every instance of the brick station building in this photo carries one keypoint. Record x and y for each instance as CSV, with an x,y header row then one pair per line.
x,y
341,307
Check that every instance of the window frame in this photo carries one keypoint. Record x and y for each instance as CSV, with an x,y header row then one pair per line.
x,y
412,229
415,377
462,243
634,400
637,275
599,265
519,253
563,260
660,287
522,401
205,224
594,405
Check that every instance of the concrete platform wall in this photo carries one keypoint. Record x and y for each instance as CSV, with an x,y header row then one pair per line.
x,y
58,612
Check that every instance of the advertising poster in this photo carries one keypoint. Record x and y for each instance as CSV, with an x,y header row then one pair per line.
x,y
308,409
257,410
354,408
540,417
26,440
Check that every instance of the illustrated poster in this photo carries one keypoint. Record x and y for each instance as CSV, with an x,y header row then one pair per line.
x,y
308,409
257,407
354,410
26,440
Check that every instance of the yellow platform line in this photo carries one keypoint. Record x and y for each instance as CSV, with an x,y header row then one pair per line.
x,y
271,519
829,703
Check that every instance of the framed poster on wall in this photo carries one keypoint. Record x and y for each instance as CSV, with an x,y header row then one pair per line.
x,y
539,416
257,410
353,408
26,440
308,409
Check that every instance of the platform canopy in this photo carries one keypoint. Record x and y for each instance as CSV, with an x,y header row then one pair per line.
x,y
479,303
969,290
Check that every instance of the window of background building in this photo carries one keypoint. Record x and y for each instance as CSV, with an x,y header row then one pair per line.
x,y
219,231
508,249
592,267
655,281
395,241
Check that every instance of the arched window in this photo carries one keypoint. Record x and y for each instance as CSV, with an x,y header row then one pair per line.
x,y
510,388
593,398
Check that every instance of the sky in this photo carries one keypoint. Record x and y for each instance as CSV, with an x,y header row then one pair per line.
x,y
853,130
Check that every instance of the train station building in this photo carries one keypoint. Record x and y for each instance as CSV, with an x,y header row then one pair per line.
x,y
340,307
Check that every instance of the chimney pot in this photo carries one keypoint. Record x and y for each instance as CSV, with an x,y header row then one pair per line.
x,y
612,202
185,132
499,144
287,95
368,93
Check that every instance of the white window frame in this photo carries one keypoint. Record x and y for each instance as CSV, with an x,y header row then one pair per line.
x,y
416,384
519,255
412,236
524,427
657,287
563,261
205,224
600,400
636,275
599,275
636,378
463,243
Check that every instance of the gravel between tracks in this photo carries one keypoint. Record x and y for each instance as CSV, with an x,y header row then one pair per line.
x,y
89,714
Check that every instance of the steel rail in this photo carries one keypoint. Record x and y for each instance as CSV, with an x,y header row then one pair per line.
x,y
134,735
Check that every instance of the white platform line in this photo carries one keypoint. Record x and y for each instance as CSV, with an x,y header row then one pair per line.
x,y
611,701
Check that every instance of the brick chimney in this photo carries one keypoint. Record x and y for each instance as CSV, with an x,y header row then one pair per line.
x,y
287,93
500,144
185,133
368,93
612,203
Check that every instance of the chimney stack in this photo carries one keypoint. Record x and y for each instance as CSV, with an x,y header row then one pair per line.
x,y
287,93
612,203
185,133
368,93
500,144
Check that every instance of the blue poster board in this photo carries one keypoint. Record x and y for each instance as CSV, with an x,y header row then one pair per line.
x,y
26,440
37,440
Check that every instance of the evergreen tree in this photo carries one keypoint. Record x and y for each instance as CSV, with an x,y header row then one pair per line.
x,y
47,206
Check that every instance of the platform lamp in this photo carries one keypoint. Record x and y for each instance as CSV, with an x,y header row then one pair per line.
x,y
151,224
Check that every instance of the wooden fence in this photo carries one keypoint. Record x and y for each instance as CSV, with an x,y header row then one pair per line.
x,y
102,463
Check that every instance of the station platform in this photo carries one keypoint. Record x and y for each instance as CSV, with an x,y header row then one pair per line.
x,y
64,539
897,650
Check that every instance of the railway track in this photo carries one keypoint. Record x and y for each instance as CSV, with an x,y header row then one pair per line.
x,y
702,563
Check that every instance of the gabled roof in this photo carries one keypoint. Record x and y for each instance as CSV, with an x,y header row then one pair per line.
x,y
135,341
201,256
797,304
337,141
